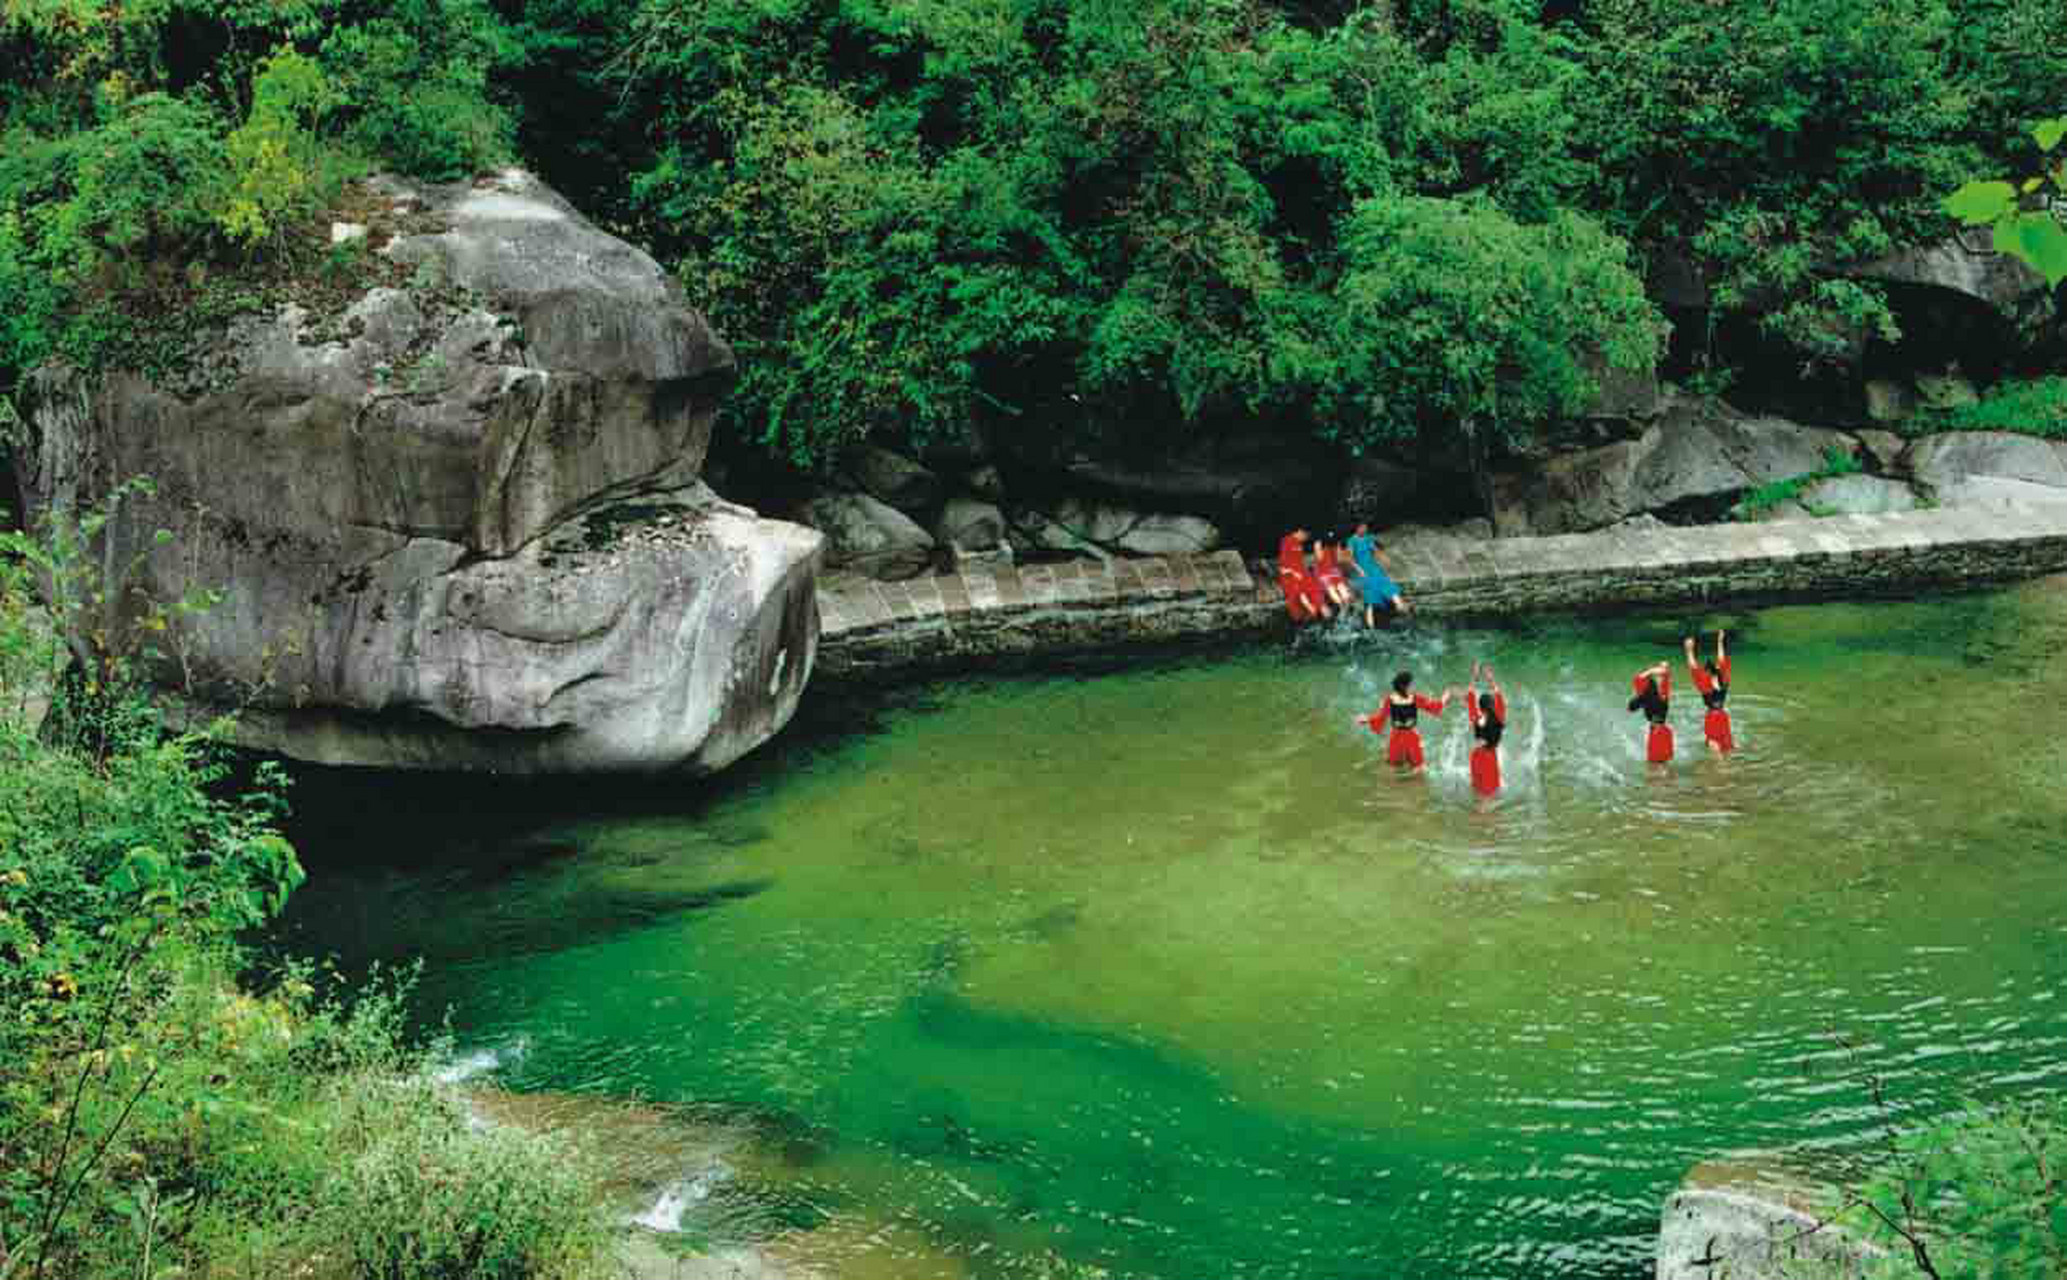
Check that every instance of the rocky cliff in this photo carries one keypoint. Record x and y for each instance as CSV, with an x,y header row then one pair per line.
x,y
456,520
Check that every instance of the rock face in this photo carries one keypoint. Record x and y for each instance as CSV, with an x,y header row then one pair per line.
x,y
458,525
1990,469
1971,268
1099,528
1747,1219
1697,450
868,536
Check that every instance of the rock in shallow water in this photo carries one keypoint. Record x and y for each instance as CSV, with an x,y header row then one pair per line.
x,y
458,525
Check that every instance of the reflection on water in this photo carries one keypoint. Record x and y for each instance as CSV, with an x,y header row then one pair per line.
x,y
1166,971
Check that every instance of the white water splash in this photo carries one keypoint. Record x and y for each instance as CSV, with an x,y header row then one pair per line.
x,y
678,1198
474,1063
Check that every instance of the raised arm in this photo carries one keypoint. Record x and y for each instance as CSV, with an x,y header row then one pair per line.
x,y
1693,663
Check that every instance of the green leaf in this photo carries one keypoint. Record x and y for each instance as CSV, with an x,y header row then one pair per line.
x,y
2039,240
1977,203
2049,132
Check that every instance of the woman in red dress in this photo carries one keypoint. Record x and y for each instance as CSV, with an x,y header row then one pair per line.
x,y
1488,712
1653,687
1327,569
1402,711
1303,598
1712,679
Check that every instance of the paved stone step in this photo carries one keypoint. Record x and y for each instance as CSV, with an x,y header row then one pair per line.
x,y
888,628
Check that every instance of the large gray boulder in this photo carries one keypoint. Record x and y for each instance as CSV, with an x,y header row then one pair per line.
x,y
895,479
456,520
868,536
1994,469
1965,264
1076,526
1696,450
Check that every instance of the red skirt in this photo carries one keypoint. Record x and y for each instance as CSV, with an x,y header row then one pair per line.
x,y
1659,749
1333,577
1717,727
1404,748
1485,770
1302,595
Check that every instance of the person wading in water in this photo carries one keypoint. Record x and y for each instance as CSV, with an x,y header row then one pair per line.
x,y
1402,712
1488,712
1712,679
1653,688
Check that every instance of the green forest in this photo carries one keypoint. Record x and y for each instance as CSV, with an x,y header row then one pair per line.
x,y
1067,222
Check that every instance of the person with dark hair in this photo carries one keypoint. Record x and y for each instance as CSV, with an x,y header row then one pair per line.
x,y
1373,582
1488,712
1402,712
1653,689
1303,598
1327,569
1712,680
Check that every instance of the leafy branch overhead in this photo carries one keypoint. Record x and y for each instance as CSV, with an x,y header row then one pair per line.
x,y
2026,216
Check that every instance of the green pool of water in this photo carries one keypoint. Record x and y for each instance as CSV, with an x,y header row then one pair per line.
x,y
1160,969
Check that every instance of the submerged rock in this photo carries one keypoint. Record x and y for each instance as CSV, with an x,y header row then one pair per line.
x,y
458,524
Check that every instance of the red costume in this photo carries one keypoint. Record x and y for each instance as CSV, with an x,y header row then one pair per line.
x,y
1302,593
1658,749
1485,757
1713,692
1404,746
1328,568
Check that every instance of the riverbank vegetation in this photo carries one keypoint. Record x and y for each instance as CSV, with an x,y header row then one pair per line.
x,y
167,1108
1069,222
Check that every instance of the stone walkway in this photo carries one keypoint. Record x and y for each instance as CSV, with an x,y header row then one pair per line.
x,y
891,628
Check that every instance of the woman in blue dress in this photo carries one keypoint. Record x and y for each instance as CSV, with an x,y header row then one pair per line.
x,y
1368,562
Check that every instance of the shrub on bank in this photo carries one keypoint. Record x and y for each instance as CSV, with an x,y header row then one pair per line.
x,y
155,1114
2032,407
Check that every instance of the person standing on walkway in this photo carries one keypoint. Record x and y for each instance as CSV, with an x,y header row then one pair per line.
x,y
1488,712
1402,712
1653,688
1367,560
1303,599
1712,680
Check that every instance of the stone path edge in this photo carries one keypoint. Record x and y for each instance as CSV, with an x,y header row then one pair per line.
x,y
890,630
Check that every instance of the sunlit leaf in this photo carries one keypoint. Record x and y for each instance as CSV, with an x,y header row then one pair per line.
x,y
1977,203
2049,132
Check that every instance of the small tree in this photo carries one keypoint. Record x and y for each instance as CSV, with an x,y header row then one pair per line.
x,y
1460,325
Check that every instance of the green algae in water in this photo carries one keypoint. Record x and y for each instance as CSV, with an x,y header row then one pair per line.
x,y
1164,971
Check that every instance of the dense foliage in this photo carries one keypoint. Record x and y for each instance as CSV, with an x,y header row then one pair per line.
x,y
1051,218
1066,220
155,1117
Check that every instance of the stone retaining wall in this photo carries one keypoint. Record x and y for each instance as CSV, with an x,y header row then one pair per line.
x,y
874,629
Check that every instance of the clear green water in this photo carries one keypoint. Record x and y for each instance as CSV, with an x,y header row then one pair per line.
x,y
1163,970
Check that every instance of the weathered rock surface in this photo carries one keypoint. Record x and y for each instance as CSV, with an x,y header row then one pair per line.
x,y
1749,1219
867,535
1968,267
969,525
459,525
1076,525
1857,495
894,479
1990,469
1696,450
